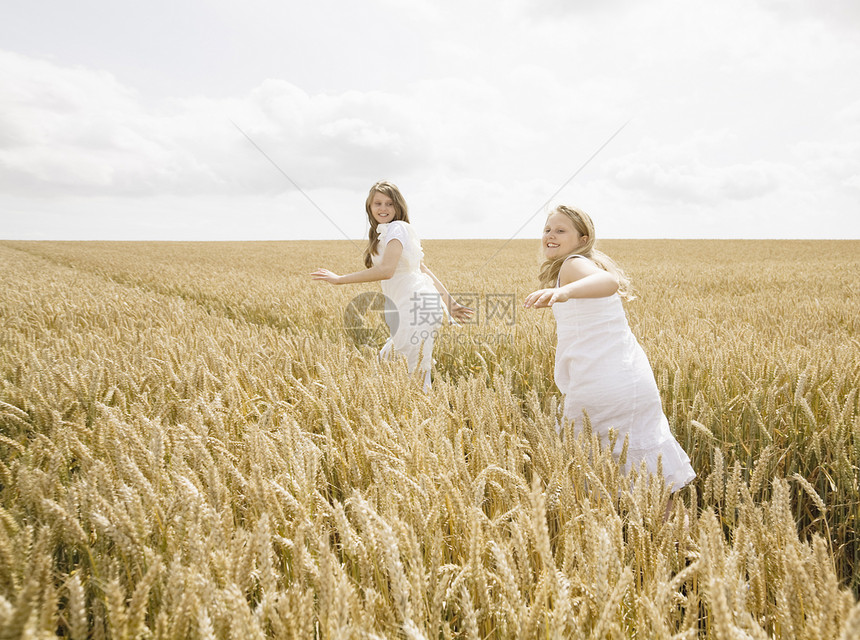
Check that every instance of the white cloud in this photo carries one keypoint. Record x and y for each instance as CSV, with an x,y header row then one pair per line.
x,y
696,183
681,172
738,109
73,131
840,13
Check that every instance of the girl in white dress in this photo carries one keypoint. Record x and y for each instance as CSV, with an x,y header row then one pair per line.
x,y
599,365
416,301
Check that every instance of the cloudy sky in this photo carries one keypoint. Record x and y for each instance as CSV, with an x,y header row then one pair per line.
x,y
264,119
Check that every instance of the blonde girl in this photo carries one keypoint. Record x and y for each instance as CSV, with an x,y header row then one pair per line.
x,y
599,365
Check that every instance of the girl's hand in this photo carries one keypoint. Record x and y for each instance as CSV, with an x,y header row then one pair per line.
x,y
544,298
459,312
327,276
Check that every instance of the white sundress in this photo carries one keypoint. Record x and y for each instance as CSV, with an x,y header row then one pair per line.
x,y
414,309
602,370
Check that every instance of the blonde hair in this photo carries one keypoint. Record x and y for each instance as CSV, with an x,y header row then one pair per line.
x,y
402,213
585,227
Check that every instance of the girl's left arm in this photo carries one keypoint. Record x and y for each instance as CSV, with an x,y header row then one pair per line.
x,y
457,310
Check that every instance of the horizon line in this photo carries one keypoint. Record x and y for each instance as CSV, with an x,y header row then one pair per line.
x,y
501,239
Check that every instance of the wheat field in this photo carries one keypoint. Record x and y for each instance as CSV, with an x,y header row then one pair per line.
x,y
194,444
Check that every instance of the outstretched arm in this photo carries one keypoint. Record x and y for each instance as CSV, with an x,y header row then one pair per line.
x,y
382,271
457,310
578,278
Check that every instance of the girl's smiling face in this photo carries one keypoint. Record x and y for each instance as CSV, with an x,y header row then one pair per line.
x,y
560,237
382,208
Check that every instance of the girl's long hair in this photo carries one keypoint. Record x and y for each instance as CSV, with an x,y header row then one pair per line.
x,y
402,213
583,224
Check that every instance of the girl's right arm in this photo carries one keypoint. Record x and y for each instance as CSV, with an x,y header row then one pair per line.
x,y
578,278
382,271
